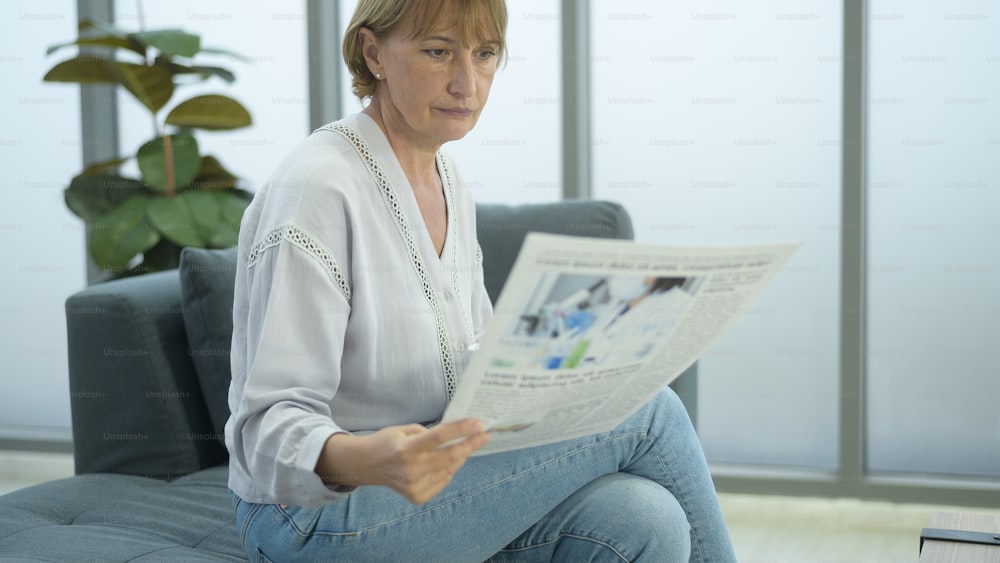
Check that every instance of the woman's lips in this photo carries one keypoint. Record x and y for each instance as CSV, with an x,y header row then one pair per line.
x,y
457,112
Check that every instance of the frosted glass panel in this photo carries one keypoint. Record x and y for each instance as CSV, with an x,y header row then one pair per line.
x,y
41,243
720,123
273,85
513,154
934,168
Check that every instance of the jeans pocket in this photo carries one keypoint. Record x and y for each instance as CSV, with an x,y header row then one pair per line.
x,y
302,520
261,558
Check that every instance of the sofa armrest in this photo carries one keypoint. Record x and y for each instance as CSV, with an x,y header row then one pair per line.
x,y
136,404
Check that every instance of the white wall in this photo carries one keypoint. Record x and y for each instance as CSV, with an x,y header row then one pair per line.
x,y
42,244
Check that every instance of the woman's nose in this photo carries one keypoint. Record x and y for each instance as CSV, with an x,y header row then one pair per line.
x,y
463,80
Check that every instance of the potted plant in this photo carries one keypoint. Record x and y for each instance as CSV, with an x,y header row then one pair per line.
x,y
181,197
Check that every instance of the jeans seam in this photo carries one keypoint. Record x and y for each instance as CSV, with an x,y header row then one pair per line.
x,y
567,535
246,524
674,490
304,534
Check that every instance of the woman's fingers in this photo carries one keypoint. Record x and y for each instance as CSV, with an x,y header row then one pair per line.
x,y
428,458
447,432
444,447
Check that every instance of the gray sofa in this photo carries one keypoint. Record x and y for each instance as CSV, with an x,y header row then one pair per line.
x,y
149,372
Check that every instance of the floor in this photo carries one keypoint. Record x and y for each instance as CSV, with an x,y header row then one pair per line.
x,y
768,529
765,529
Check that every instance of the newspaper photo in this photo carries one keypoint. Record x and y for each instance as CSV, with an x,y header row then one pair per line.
x,y
587,330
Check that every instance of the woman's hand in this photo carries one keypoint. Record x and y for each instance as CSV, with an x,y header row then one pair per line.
x,y
414,461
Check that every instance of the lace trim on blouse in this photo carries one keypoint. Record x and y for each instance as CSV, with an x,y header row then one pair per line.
x,y
310,245
391,201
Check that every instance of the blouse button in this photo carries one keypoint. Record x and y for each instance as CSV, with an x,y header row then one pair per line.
x,y
446,295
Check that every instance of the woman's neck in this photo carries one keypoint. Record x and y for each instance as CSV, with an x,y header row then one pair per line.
x,y
418,160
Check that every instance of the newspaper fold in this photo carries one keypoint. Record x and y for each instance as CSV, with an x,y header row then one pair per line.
x,y
587,330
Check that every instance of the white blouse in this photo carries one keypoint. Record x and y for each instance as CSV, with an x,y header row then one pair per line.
x,y
345,318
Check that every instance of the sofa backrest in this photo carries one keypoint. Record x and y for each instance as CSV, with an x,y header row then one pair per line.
x,y
149,356
501,230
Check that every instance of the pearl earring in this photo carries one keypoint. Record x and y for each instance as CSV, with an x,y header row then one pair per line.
x,y
378,76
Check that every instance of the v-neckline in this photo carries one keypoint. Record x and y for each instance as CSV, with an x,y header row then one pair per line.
x,y
404,191
447,210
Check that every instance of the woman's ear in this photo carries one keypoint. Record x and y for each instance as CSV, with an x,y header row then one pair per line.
x,y
371,48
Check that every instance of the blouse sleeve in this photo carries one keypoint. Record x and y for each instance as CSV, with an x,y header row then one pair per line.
x,y
295,319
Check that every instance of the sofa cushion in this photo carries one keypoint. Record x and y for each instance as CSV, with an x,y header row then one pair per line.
x,y
101,517
208,279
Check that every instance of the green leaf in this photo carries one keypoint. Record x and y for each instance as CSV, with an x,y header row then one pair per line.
x,y
228,53
151,85
207,210
112,41
102,25
234,204
213,176
102,167
197,218
92,197
153,165
122,234
204,71
170,42
212,112
83,70
223,73
175,218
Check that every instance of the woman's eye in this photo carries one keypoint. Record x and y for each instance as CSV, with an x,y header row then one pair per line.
x,y
487,54
436,53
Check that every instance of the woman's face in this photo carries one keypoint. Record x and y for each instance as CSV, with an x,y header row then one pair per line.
x,y
433,87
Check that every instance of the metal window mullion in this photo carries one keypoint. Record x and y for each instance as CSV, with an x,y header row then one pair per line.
x,y
98,113
323,39
853,247
576,102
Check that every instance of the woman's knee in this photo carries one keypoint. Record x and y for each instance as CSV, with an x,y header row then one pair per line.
x,y
638,516
664,412
668,398
659,523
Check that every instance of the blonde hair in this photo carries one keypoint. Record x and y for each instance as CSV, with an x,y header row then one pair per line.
x,y
476,20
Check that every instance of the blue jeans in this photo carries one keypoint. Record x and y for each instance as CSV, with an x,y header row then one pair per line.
x,y
641,492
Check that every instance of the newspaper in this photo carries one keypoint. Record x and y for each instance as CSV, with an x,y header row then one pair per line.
x,y
586,331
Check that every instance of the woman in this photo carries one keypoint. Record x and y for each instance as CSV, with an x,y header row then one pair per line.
x,y
358,297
